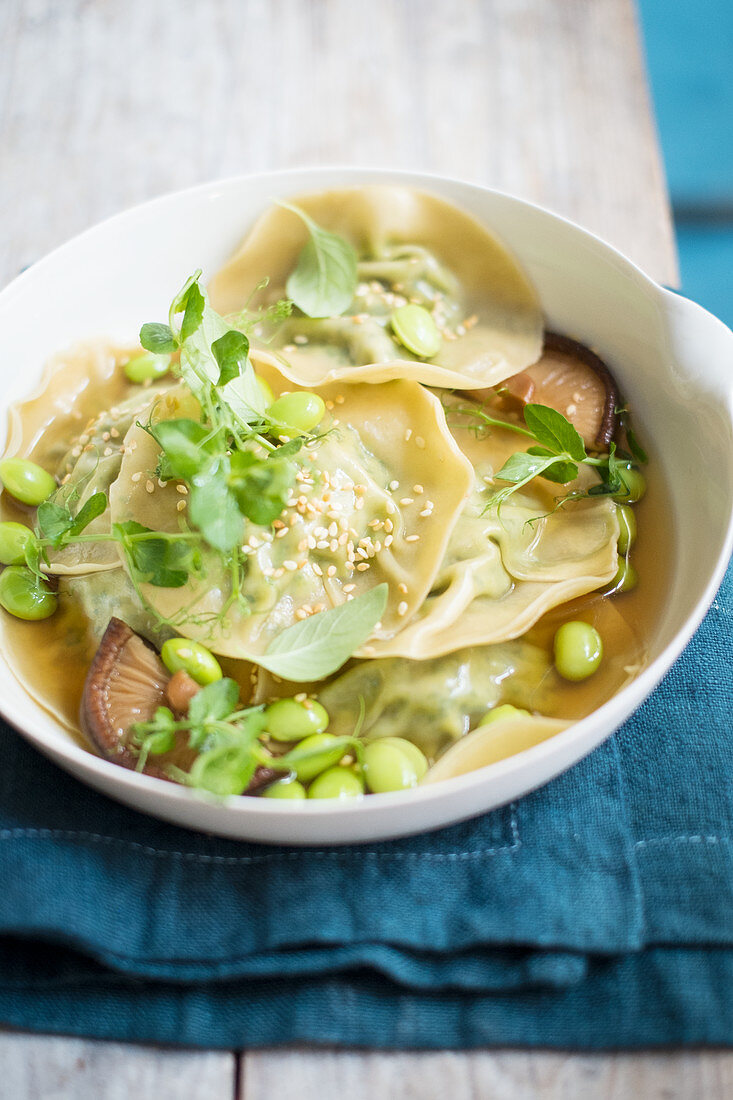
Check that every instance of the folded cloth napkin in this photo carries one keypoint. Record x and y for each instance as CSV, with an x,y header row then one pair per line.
x,y
595,913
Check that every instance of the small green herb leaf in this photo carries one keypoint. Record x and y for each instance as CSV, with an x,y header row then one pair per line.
x,y
223,771
182,444
261,487
551,429
230,351
214,703
194,311
89,511
158,338
163,561
319,645
213,506
54,521
560,471
324,280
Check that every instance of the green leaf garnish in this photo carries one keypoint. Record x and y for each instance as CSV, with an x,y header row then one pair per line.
x,y
323,282
261,488
551,429
317,646
230,351
158,338
193,312
57,524
153,556
213,506
183,444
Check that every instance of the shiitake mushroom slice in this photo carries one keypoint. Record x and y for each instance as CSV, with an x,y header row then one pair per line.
x,y
126,683
574,380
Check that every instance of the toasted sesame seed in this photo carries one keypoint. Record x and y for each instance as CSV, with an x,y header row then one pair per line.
x,y
105,436
149,486
301,614
402,587
317,569
182,489
180,506
362,566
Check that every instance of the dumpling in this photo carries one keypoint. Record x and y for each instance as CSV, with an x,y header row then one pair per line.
x,y
355,519
505,568
412,247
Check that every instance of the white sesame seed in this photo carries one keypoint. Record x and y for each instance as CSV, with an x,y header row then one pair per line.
x,y
407,500
369,650
388,542
149,486
300,339
362,566
136,477
408,435
182,489
180,506
420,442
291,566
390,506
402,608
426,512
394,485
331,571
317,569
349,588
418,490
412,538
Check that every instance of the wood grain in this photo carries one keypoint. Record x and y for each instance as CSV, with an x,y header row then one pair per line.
x,y
37,1067
104,104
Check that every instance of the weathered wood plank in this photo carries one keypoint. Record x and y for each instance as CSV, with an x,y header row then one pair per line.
x,y
481,1075
103,105
37,1067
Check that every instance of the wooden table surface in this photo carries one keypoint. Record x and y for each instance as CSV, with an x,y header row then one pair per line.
x,y
104,103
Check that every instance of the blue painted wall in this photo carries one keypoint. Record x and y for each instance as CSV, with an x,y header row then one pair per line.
x,y
689,46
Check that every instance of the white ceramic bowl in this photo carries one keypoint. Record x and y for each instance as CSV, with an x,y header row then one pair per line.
x,y
673,360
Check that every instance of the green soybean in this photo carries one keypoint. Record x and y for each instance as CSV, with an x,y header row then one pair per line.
x,y
292,720
182,654
578,650
416,330
416,757
285,788
338,782
634,485
387,768
314,755
26,481
24,595
15,538
147,366
300,410
626,577
627,527
506,710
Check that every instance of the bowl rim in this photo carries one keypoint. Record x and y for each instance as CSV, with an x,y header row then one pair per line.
x,y
607,717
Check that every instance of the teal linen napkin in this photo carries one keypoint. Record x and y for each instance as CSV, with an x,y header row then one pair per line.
x,y
595,913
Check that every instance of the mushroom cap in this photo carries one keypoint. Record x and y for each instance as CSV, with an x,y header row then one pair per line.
x,y
574,380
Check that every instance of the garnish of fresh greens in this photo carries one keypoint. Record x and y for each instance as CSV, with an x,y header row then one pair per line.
x,y
323,282
557,454
225,736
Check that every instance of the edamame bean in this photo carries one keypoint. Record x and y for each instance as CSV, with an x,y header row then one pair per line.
x,y
627,527
14,539
285,788
634,485
300,410
291,720
415,755
24,595
626,577
578,650
387,768
416,330
506,710
193,658
314,755
26,481
338,782
147,366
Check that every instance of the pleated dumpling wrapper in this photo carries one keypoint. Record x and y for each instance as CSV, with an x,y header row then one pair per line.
x,y
505,567
353,520
412,248
488,744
